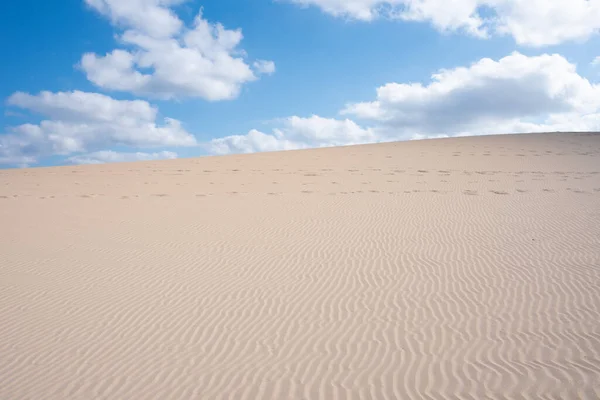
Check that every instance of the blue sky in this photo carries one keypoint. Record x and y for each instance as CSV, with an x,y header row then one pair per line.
x,y
89,81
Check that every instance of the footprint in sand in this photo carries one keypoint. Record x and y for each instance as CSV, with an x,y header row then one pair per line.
x,y
577,191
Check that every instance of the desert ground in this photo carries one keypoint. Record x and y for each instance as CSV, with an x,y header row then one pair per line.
x,y
462,268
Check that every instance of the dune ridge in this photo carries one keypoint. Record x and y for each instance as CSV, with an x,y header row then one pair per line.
x,y
464,268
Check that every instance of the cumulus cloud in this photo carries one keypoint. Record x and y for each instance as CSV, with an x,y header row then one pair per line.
x,y
507,94
365,10
296,133
165,59
109,156
81,121
515,94
529,22
152,17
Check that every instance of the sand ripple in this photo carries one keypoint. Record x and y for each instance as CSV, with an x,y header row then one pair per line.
x,y
389,289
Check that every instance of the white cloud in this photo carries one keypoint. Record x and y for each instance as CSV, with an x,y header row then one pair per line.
x,y
529,22
365,10
165,59
152,17
19,149
504,94
596,61
82,106
80,122
253,141
546,22
516,94
420,136
109,156
264,67
296,133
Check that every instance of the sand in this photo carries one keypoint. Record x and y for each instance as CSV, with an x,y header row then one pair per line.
x,y
464,268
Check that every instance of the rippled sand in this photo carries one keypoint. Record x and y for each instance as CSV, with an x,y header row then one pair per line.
x,y
440,269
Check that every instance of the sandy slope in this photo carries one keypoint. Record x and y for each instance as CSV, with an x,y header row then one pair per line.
x,y
445,269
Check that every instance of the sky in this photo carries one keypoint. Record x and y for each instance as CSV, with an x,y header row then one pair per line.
x,y
95,81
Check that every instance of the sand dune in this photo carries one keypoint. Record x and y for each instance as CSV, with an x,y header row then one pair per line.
x,y
464,268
